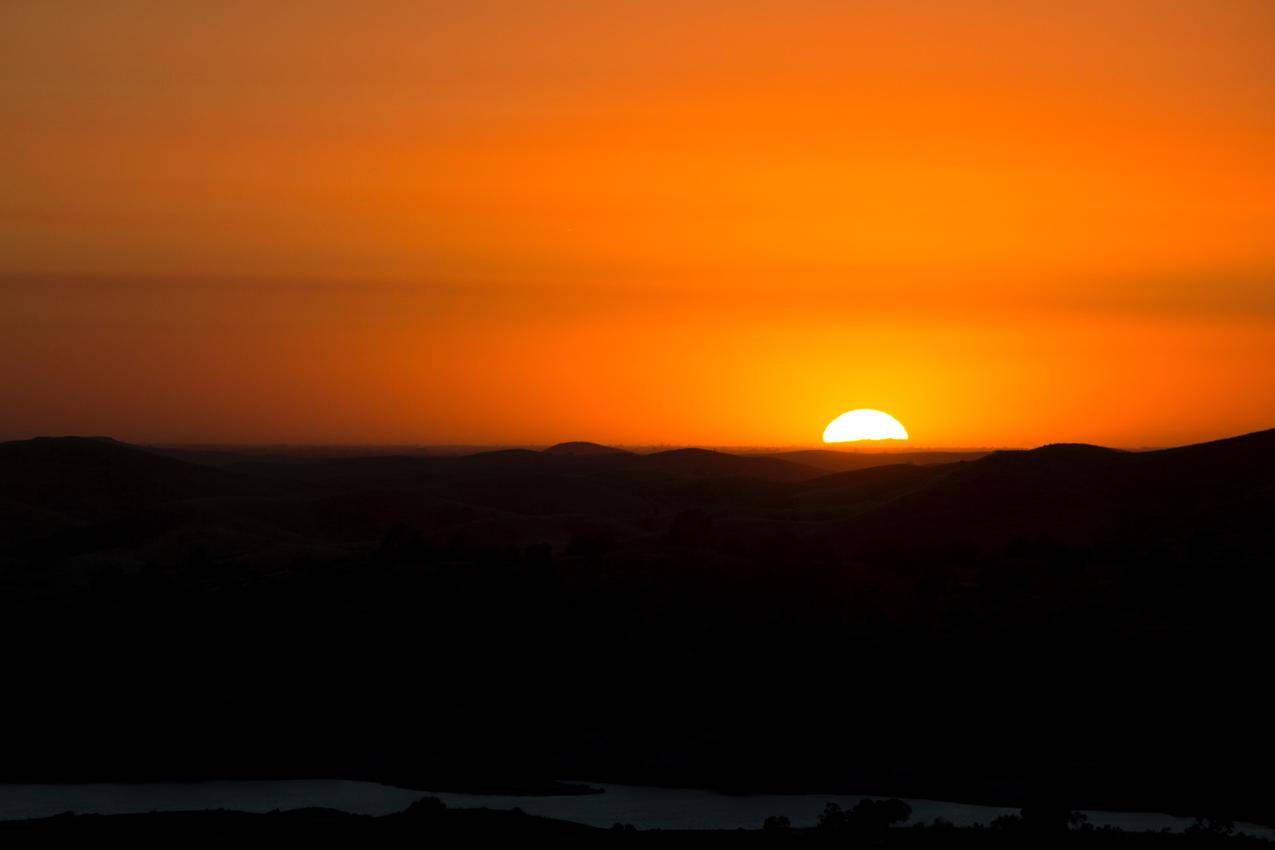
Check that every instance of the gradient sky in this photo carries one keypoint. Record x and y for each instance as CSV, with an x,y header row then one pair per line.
x,y
723,223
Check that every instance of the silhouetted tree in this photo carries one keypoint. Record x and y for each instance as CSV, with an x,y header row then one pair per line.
x,y
868,816
832,818
777,823
1211,826
426,807
1006,823
1051,816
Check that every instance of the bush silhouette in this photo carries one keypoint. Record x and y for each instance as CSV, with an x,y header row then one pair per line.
x,y
777,823
868,816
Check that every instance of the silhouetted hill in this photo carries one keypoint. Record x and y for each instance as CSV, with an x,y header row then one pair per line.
x,y
428,822
864,488
1068,615
704,462
1065,492
92,474
1248,460
831,460
67,495
579,448
1085,495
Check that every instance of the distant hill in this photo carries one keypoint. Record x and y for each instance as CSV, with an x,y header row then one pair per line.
x,y
580,448
831,460
1068,492
91,475
859,489
1084,495
704,462
61,496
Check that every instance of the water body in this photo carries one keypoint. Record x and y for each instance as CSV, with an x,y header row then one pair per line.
x,y
644,807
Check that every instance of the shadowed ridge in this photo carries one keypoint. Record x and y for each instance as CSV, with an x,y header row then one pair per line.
x,y
63,495
1086,495
874,475
500,456
1259,446
1046,467
91,438
98,474
1265,438
865,489
834,460
583,448
706,462
1053,451
1230,472
1074,449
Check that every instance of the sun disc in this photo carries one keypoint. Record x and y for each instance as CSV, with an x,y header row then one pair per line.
x,y
864,424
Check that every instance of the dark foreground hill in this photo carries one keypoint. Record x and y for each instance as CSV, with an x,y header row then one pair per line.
x,y
424,821
829,460
1072,621
427,821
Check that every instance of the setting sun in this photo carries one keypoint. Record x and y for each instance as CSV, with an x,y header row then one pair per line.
x,y
864,424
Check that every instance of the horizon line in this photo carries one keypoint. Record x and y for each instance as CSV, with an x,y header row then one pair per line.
x,y
857,447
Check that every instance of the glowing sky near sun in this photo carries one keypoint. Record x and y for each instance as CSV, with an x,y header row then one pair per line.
x,y
691,222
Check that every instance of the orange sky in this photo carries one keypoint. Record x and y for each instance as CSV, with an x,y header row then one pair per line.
x,y
696,222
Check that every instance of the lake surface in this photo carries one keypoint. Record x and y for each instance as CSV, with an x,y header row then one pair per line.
x,y
644,807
